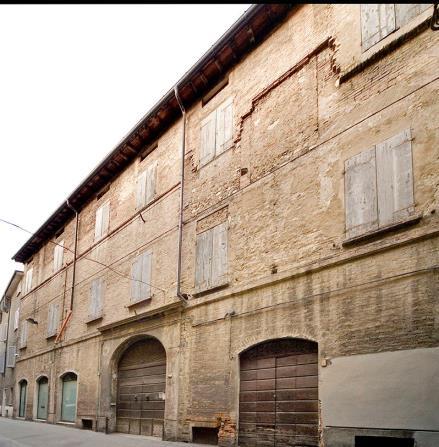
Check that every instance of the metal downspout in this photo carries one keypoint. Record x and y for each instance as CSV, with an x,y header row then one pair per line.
x,y
183,297
74,254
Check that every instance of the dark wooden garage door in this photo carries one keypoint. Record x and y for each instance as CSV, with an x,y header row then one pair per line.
x,y
141,389
278,400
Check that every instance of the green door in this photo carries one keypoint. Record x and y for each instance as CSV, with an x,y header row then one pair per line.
x,y
22,405
68,405
43,397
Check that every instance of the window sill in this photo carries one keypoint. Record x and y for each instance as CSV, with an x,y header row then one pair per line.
x,y
383,51
48,337
412,220
94,319
143,301
198,293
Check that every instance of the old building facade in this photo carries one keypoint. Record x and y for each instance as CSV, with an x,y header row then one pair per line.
x,y
9,325
292,299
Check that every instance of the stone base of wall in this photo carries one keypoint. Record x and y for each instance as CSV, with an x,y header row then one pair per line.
x,y
345,436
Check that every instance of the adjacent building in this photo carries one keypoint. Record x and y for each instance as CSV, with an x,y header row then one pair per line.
x,y
256,263
9,342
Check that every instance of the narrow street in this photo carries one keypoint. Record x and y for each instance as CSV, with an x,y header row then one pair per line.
x,y
15,433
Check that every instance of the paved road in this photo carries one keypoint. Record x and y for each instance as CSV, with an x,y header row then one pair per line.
x,y
14,433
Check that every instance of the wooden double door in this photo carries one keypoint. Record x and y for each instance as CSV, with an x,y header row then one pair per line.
x,y
278,400
141,389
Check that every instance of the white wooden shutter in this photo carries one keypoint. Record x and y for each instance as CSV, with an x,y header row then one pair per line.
x,y
10,361
136,274
377,21
203,260
2,360
151,175
208,136
405,12
53,319
395,178
23,334
28,284
224,126
105,218
16,319
145,287
219,254
58,254
4,332
141,190
96,292
361,194
98,223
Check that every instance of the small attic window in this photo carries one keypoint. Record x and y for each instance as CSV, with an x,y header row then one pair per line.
x,y
104,190
145,152
215,90
59,233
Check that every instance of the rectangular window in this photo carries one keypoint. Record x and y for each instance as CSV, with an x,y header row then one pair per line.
x,y
16,319
379,186
146,186
52,319
4,332
102,220
211,258
2,362
10,360
217,132
380,20
58,256
23,334
141,277
96,298
28,282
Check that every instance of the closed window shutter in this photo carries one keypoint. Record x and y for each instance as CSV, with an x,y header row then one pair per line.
x,y
377,21
10,362
395,178
16,318
136,274
4,333
145,286
23,334
58,254
151,175
141,190
219,255
98,224
405,12
28,284
96,297
203,267
224,126
105,218
208,137
2,360
53,319
361,194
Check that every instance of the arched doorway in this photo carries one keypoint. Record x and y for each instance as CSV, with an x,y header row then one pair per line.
x,y
68,398
42,397
23,398
141,389
278,398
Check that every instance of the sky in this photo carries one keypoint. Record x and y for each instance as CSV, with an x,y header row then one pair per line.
x,y
74,79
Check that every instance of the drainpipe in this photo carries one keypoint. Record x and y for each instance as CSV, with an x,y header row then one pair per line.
x,y
183,297
74,254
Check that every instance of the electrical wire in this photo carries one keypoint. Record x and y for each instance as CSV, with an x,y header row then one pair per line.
x,y
47,302
84,257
